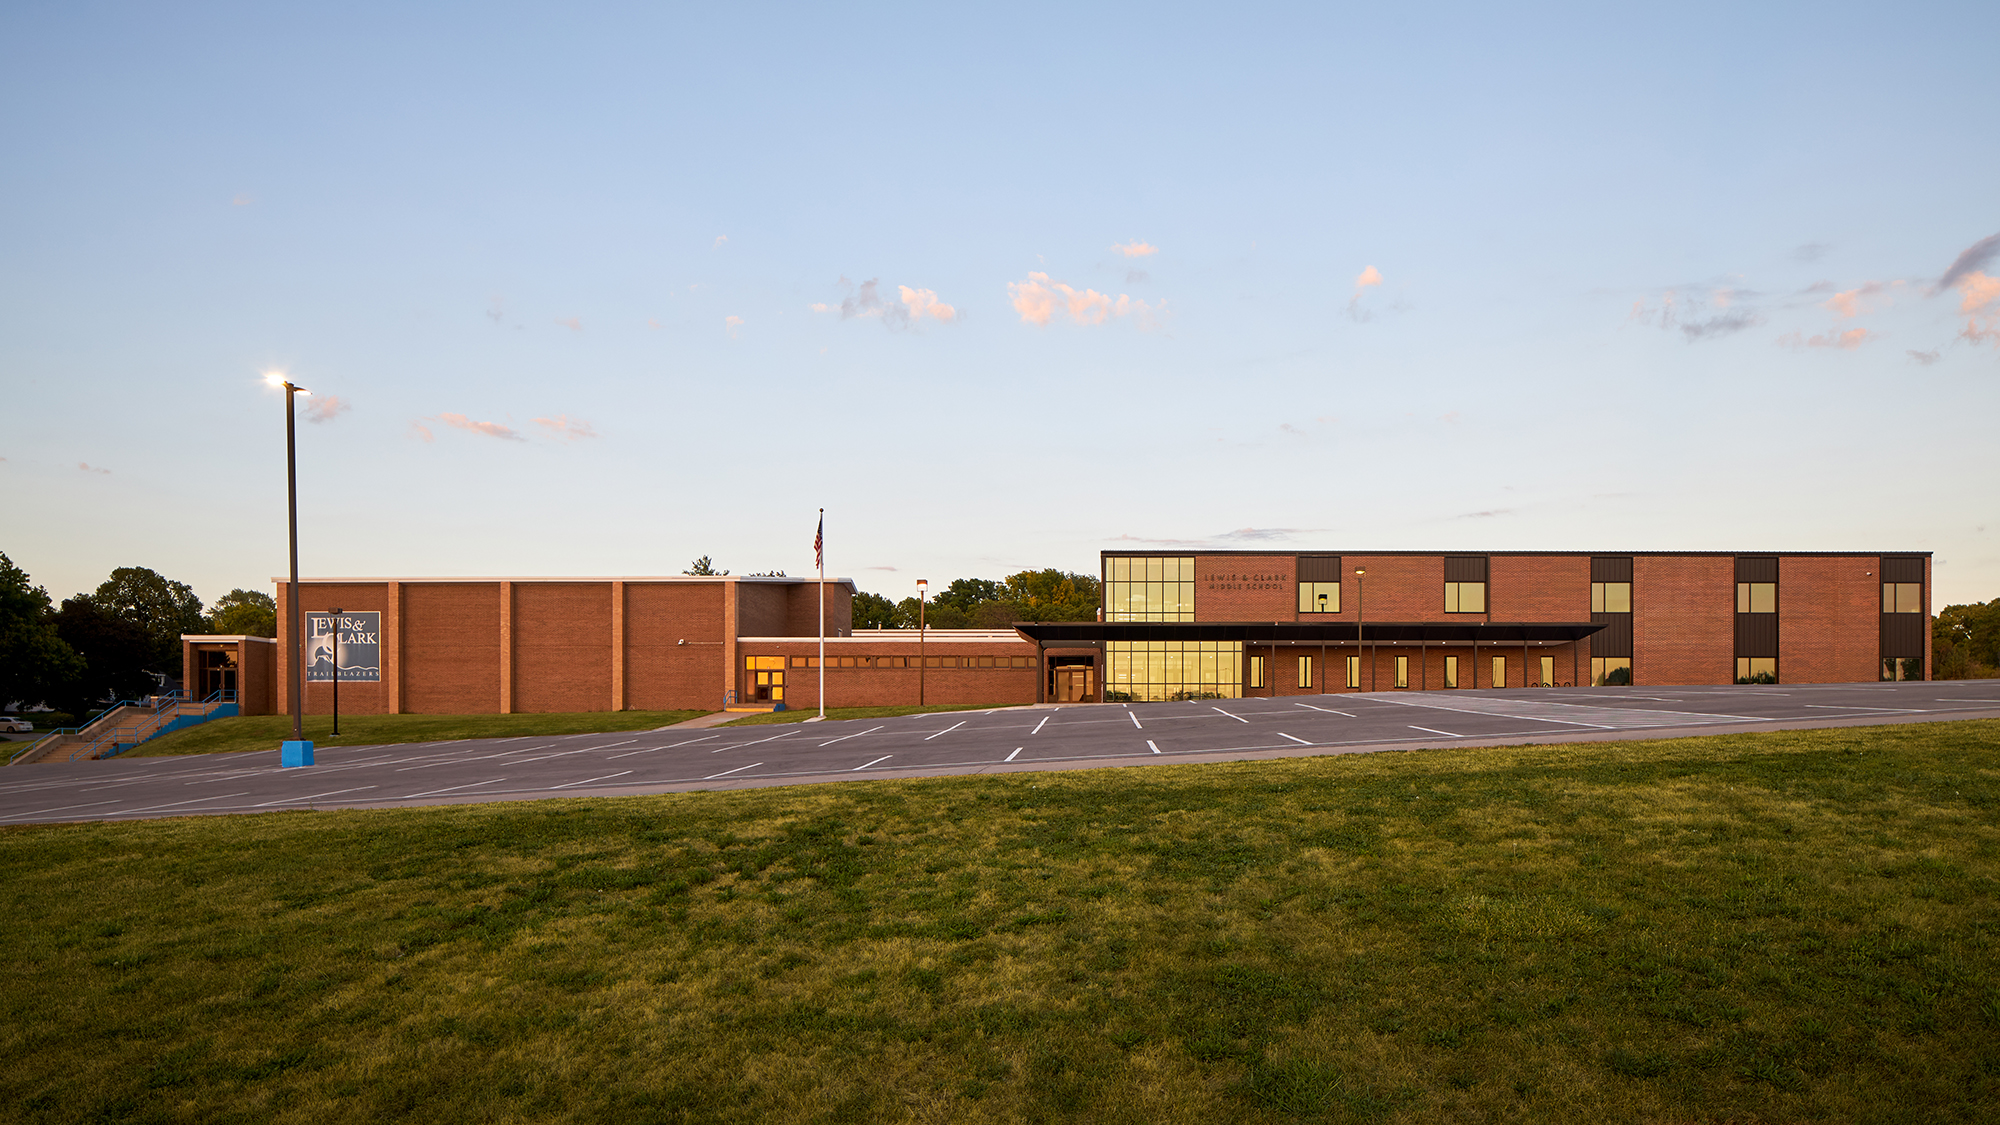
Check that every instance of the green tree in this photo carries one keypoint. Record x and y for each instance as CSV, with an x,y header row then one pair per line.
x,y
1965,640
36,664
247,613
1053,595
967,594
873,611
162,608
704,567
115,652
936,615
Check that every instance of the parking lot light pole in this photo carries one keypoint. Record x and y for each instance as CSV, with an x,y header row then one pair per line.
x,y
297,752
923,587
336,671
1360,612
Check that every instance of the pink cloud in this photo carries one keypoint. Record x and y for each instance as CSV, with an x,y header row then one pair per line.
x,y
490,429
1040,300
730,324
566,427
1851,303
325,408
1136,249
1843,341
921,303
422,431
1368,277
1979,300
85,466
574,324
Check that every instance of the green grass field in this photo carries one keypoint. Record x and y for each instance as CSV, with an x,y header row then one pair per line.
x,y
1783,927
264,732
833,713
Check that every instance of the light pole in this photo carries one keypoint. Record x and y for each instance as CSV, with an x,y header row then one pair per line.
x,y
297,752
336,671
923,587
1361,612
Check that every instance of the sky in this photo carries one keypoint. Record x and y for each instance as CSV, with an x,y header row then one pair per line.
x,y
597,289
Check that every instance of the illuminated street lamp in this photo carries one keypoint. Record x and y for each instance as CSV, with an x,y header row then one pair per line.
x,y
923,587
297,752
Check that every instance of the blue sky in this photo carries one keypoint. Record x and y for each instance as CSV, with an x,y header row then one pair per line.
x,y
598,289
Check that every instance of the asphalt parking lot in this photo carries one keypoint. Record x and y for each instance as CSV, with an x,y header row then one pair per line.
x,y
967,742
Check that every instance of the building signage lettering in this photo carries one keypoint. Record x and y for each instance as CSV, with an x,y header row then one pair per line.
x,y
1246,581
355,637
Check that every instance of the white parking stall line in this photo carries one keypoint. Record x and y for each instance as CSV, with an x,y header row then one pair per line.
x,y
1238,718
1016,753
1135,718
1300,741
757,742
615,745
178,804
557,754
1852,707
588,780
1428,730
865,765
947,730
1967,699
451,789
312,797
1040,725
845,737
57,809
650,749
738,769
1150,746
1328,710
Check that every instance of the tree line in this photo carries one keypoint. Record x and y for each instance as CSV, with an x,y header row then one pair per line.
x,y
1965,641
113,643
983,603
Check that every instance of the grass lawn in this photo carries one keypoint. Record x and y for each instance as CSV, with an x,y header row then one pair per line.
x,y
264,732
1755,928
833,713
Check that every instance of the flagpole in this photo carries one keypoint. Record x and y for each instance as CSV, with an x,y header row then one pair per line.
x,y
819,552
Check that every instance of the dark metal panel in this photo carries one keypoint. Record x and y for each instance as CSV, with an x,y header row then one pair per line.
x,y
1757,634
1611,570
1902,569
1319,568
1903,636
1756,570
1463,569
1616,639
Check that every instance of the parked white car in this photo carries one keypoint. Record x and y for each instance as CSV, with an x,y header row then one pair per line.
x,y
14,725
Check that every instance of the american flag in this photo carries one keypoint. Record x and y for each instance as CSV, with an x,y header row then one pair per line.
x,y
819,544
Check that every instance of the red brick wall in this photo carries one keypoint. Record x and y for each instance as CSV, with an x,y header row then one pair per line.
x,y
889,687
1396,588
256,678
1829,619
661,674
803,609
1537,588
763,609
451,648
562,646
1683,620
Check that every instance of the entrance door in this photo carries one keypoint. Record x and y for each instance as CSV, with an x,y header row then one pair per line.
x,y
1075,684
218,672
766,679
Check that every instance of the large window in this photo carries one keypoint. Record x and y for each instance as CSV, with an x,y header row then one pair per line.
x,y
1354,671
1465,597
1902,597
1756,597
1402,671
1610,671
1499,671
1610,597
1306,673
1157,671
1902,668
1148,588
1548,671
1319,597
1451,671
1756,670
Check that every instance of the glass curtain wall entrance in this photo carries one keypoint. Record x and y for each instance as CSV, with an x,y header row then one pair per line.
x,y
1162,671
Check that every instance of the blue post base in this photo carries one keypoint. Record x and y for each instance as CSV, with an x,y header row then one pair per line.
x,y
295,754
